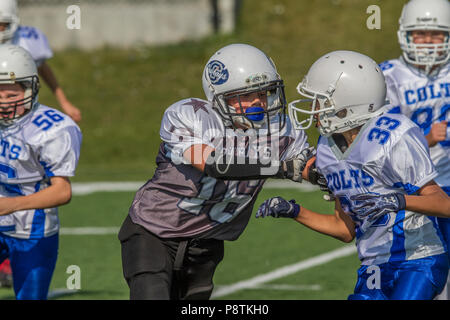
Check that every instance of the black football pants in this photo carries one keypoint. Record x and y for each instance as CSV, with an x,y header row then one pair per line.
x,y
163,269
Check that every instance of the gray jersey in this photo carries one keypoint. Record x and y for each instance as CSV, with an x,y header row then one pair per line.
x,y
182,201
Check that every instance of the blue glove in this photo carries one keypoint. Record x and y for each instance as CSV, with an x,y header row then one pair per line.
x,y
278,207
376,205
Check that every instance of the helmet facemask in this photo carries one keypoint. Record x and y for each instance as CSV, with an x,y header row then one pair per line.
x,y
9,110
271,110
424,54
317,106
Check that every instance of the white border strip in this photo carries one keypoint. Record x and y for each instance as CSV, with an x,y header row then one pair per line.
x,y
79,188
91,187
87,231
284,271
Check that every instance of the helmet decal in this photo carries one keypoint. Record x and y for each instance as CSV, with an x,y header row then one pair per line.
x,y
217,72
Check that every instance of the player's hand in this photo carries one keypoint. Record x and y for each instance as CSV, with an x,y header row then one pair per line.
x,y
312,174
374,206
315,177
438,132
292,169
278,207
71,110
320,180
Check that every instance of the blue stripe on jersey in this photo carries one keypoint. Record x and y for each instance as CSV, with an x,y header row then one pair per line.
x,y
359,233
447,190
38,224
427,130
395,110
398,252
46,167
7,228
442,229
13,189
444,225
318,140
409,188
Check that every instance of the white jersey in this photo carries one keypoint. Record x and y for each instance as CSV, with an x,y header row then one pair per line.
x,y
425,100
182,201
34,41
42,144
390,154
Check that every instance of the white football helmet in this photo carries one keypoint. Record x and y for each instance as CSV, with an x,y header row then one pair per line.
x,y
424,15
8,14
17,66
240,69
340,80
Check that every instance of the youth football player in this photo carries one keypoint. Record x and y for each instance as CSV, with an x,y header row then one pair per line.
x,y
378,168
214,159
40,148
418,83
33,40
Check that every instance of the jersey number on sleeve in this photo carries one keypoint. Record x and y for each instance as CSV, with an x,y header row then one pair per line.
x,y
47,121
383,130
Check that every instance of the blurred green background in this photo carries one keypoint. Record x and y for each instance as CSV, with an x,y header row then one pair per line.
x,y
123,93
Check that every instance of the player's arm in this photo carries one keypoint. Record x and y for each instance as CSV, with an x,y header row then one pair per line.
x,y
224,166
57,194
408,164
49,77
430,200
337,225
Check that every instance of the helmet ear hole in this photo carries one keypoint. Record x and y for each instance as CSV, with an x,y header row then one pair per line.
x,y
341,114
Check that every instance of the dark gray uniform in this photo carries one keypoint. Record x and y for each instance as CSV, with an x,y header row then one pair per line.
x,y
179,219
